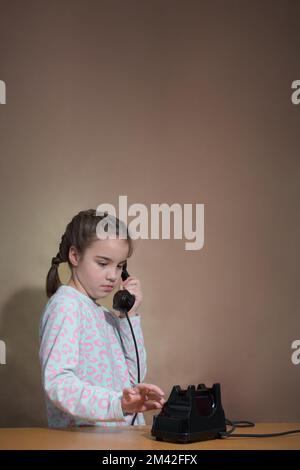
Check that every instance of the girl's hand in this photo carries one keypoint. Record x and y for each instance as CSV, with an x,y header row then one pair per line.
x,y
142,397
133,285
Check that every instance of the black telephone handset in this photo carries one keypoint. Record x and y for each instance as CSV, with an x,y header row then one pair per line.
x,y
123,301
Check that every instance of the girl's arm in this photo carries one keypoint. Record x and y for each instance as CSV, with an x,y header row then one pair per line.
x,y
59,355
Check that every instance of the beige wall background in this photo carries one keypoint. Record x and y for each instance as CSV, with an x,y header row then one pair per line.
x,y
165,102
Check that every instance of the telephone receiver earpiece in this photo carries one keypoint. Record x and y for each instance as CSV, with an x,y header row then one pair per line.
x,y
125,273
123,300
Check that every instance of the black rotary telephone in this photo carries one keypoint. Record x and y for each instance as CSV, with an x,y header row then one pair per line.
x,y
123,301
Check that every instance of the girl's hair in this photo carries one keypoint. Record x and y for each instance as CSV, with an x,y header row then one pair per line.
x,y
81,232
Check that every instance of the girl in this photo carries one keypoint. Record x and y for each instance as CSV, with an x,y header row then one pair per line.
x,y
87,354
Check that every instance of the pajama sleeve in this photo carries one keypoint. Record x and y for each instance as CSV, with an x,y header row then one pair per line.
x,y
59,356
129,348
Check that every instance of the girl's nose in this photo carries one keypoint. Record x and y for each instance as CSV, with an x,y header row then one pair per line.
x,y
113,274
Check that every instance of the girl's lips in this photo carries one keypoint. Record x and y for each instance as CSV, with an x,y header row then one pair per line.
x,y
108,287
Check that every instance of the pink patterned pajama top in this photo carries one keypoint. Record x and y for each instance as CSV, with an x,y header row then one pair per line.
x,y
88,357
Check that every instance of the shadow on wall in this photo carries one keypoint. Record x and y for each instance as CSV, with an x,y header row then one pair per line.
x,y
21,394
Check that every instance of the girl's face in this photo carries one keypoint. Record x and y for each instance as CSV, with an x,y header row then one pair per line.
x,y
99,267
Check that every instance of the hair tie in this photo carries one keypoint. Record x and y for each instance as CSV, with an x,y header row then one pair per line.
x,y
103,214
55,261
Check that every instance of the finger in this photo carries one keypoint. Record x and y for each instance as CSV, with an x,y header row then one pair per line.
x,y
130,288
131,281
128,392
161,401
153,398
132,291
153,394
148,388
131,278
151,405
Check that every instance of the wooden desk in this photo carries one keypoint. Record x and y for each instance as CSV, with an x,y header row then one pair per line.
x,y
139,437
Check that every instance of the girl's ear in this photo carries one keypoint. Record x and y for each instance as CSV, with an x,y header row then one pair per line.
x,y
74,256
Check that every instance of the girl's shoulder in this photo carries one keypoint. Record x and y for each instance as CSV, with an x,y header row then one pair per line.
x,y
67,298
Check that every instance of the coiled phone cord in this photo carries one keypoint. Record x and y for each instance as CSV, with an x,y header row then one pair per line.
x,y
246,424
137,359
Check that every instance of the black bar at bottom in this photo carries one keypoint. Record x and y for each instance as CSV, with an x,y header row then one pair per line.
x,y
136,458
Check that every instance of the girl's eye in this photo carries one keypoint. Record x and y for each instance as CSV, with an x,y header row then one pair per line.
x,y
105,264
